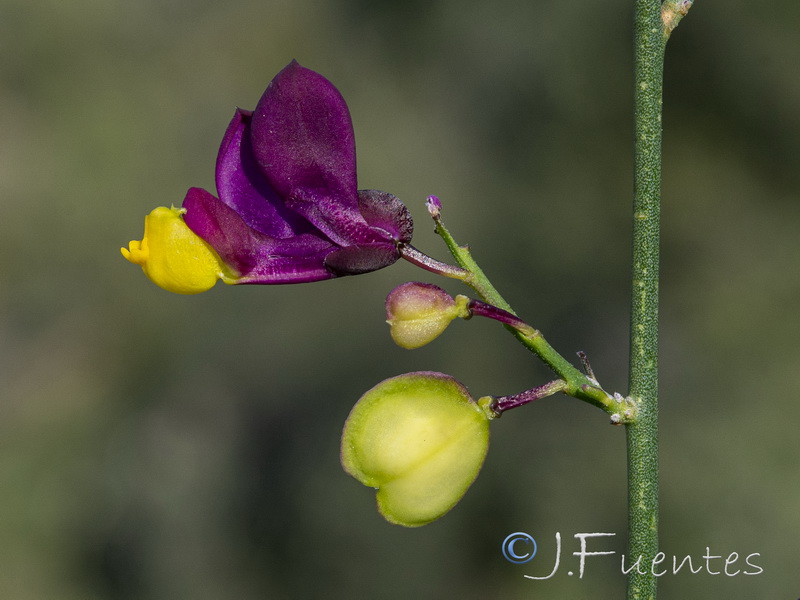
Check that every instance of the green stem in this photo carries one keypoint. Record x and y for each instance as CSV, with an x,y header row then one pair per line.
x,y
654,23
577,384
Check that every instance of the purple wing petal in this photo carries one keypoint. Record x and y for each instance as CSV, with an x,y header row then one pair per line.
x,y
242,186
342,224
389,221
257,257
220,226
302,260
355,260
302,138
385,211
302,135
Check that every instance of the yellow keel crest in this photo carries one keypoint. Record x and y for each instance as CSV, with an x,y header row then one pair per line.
x,y
173,256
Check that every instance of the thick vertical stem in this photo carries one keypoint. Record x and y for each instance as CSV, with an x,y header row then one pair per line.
x,y
642,436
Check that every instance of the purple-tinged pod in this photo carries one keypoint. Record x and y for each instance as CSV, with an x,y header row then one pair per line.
x,y
417,313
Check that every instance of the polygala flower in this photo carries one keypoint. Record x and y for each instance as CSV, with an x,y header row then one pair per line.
x,y
288,211
420,439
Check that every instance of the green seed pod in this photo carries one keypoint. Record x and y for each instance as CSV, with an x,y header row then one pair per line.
x,y
417,313
420,439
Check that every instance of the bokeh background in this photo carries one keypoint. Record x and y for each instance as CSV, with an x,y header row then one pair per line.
x,y
162,447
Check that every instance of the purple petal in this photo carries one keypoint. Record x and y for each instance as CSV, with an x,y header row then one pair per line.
x,y
302,138
242,186
355,260
302,134
302,261
257,257
218,225
381,218
342,224
387,212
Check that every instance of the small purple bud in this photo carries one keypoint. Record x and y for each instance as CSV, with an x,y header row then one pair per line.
x,y
434,206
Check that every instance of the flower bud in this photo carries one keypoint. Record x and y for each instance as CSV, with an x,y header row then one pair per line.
x,y
173,256
434,206
418,313
420,439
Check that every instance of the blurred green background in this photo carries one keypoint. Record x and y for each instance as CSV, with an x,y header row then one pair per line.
x,y
162,447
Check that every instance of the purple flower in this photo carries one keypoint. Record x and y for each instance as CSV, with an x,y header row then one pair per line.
x,y
289,210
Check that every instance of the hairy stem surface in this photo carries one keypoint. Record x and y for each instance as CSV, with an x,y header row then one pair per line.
x,y
654,22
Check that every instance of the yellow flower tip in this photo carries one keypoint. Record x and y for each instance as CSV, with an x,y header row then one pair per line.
x,y
136,252
173,256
